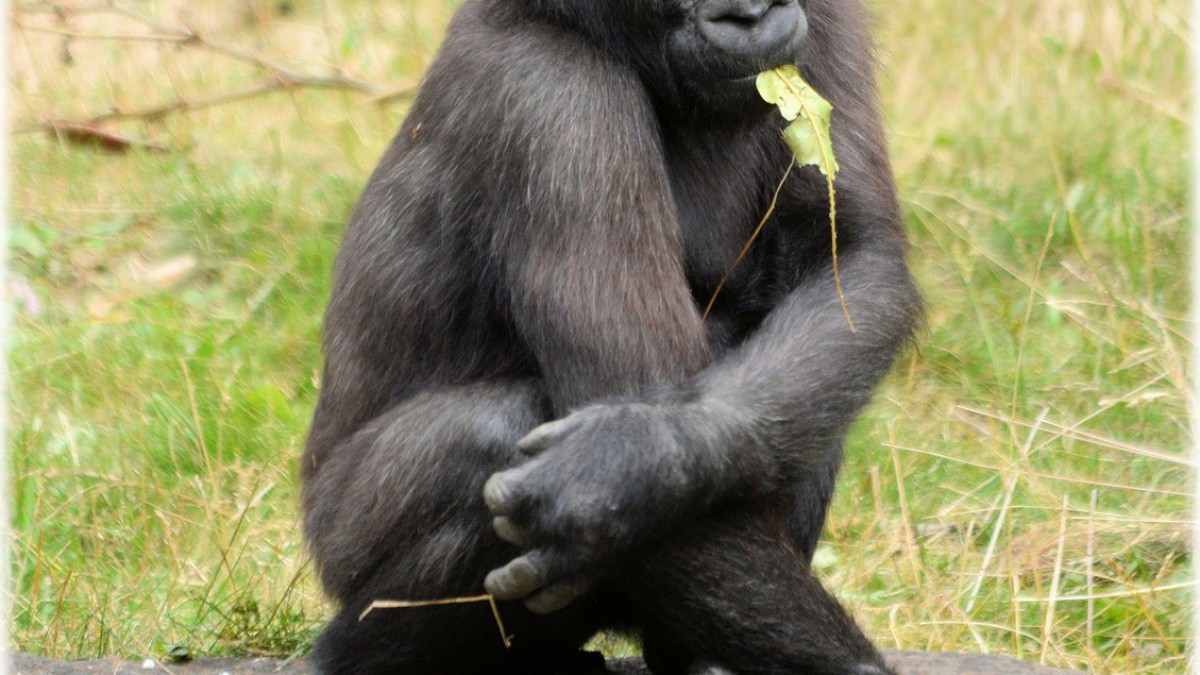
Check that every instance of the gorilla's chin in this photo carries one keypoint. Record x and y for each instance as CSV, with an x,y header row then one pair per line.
x,y
728,101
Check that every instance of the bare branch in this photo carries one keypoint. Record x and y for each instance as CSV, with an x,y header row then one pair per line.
x,y
157,112
55,8
280,77
76,35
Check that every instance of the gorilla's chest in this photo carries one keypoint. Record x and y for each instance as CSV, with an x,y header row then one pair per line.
x,y
716,223
719,200
717,220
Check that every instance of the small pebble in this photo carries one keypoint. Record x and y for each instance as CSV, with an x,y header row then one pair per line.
x,y
149,664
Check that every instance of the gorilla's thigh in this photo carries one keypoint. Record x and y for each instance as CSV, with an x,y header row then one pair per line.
x,y
733,590
447,442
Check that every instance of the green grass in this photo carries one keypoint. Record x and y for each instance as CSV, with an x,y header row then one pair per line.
x,y
162,385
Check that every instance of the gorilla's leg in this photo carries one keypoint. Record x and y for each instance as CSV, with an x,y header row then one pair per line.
x,y
811,504
732,592
395,512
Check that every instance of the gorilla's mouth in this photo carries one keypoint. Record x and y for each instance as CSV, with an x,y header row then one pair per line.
x,y
715,55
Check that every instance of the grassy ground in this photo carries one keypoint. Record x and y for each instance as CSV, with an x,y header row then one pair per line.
x,y
1019,486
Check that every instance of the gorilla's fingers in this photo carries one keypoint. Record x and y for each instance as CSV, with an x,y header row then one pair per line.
x,y
546,435
555,597
501,491
507,530
516,579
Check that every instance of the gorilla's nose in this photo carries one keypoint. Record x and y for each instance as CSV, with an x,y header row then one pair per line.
x,y
753,29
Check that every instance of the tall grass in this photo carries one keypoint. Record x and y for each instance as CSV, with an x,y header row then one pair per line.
x,y
1019,487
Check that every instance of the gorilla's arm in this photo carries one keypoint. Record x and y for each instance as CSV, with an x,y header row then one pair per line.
x,y
765,417
769,415
539,163
589,244
793,388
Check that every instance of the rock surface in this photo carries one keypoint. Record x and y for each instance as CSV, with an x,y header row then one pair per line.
x,y
905,662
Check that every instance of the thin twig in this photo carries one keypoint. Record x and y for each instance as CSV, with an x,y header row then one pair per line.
x,y
833,247
1048,625
281,77
910,538
1091,571
193,37
77,35
409,604
144,19
161,110
388,95
55,8
749,242
1016,611
1049,476
1072,432
1110,595
1009,490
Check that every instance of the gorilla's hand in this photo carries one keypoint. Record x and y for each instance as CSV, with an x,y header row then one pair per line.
x,y
602,481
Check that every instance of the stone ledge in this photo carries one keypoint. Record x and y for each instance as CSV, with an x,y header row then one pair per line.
x,y
905,662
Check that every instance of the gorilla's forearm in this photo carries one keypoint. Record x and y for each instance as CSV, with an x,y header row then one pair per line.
x,y
786,395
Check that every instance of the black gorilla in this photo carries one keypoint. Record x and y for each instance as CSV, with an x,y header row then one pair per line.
x,y
520,393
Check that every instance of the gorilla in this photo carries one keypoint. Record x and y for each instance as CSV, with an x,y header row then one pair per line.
x,y
521,390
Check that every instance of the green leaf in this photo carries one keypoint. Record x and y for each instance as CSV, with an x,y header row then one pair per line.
x,y
811,142
808,135
810,139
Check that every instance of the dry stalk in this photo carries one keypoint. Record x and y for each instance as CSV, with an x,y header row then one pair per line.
x,y
1091,576
749,242
410,604
1048,624
1010,489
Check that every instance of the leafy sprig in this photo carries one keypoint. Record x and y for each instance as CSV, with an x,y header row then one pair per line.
x,y
809,138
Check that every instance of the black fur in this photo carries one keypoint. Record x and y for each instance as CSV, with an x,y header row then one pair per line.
x,y
573,181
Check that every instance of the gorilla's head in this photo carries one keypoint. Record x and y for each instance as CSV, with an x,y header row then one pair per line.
x,y
693,52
